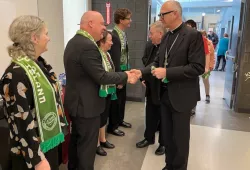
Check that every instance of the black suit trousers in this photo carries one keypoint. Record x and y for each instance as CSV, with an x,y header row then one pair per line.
x,y
176,134
83,143
117,109
153,116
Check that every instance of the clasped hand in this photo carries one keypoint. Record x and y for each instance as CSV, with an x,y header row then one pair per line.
x,y
133,76
159,73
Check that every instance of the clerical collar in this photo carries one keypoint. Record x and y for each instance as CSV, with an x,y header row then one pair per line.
x,y
176,29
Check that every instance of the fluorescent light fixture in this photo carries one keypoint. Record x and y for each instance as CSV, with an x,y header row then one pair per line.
x,y
218,10
203,14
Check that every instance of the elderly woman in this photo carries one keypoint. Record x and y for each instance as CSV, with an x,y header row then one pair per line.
x,y
110,93
210,61
31,96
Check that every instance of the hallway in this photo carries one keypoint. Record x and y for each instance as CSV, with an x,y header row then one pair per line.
x,y
220,138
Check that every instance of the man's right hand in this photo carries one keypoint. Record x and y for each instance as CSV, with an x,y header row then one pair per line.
x,y
43,165
132,78
136,72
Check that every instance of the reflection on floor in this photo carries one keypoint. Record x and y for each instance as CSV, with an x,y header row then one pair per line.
x,y
220,138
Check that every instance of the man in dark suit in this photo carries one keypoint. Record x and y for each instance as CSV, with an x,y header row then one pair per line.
x,y
120,56
180,61
153,111
85,74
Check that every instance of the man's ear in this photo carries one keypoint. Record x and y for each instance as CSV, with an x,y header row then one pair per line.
x,y
90,23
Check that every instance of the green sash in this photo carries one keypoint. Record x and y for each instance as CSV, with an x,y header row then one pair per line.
x,y
124,55
164,80
45,104
107,64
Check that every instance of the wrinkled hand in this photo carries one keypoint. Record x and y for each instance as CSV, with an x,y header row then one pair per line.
x,y
143,83
159,73
43,165
211,68
132,78
120,86
136,72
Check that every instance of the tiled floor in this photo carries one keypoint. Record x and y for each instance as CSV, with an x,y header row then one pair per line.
x,y
220,138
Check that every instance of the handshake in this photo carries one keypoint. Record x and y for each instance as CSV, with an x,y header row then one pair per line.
x,y
133,75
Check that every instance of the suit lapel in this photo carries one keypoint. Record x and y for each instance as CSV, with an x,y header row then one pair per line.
x,y
176,45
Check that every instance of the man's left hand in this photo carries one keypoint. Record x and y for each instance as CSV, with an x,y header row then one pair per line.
x,y
159,73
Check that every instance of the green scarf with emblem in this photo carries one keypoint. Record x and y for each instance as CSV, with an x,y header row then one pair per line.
x,y
45,104
124,54
108,66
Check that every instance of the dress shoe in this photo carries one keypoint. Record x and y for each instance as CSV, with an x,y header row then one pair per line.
x,y
100,151
126,125
107,145
117,132
160,150
144,143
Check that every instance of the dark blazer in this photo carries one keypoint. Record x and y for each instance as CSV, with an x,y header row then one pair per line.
x,y
185,64
150,80
85,74
115,51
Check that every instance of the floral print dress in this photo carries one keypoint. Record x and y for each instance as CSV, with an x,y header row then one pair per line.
x,y
17,93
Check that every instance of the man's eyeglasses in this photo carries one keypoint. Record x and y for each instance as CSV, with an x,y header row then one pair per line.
x,y
128,18
165,13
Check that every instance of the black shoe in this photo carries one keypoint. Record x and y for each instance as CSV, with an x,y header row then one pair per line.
x,y
107,145
215,69
160,150
100,151
207,99
126,125
117,132
144,143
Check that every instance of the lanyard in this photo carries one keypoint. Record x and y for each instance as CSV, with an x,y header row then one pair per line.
x,y
167,52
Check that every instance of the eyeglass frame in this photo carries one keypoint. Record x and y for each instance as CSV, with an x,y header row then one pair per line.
x,y
161,15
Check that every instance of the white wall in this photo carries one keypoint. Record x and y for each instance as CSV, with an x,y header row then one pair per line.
x,y
72,13
210,18
10,9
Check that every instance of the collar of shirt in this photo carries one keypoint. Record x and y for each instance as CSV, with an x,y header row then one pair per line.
x,y
176,29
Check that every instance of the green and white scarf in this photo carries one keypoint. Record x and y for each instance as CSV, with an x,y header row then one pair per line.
x,y
45,104
124,55
107,64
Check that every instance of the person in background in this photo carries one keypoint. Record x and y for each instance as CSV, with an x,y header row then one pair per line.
x,y
32,98
153,111
212,36
88,82
223,47
191,23
210,61
105,44
120,55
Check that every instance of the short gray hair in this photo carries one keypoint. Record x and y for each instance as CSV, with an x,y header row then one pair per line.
x,y
20,32
159,26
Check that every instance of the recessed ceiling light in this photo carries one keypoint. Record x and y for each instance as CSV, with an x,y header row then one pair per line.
x,y
218,10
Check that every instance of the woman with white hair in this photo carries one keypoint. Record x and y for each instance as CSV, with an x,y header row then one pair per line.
x,y
31,94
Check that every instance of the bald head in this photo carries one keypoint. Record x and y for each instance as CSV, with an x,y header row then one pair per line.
x,y
93,23
173,5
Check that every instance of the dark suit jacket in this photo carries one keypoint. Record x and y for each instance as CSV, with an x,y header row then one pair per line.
x,y
115,51
150,80
185,64
85,74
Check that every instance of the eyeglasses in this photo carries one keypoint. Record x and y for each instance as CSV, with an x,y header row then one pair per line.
x,y
165,13
128,18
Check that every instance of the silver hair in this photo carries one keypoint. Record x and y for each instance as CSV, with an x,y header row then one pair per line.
x,y
20,32
159,26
